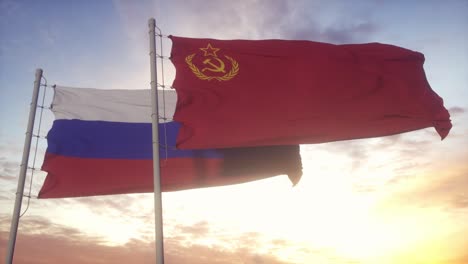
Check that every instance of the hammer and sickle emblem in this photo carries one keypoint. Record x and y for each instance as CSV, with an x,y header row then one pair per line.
x,y
213,64
214,67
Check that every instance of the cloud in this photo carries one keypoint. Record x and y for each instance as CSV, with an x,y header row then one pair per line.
x,y
9,175
437,188
248,247
11,149
460,200
402,150
104,205
459,260
265,19
198,254
376,163
337,34
449,191
456,110
8,178
41,241
4,197
198,230
8,169
357,151
133,18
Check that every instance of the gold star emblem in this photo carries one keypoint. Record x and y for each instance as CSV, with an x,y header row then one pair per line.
x,y
210,51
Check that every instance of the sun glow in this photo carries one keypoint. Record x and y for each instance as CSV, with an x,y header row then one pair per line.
x,y
327,213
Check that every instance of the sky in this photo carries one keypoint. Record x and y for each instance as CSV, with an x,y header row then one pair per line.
x,y
398,199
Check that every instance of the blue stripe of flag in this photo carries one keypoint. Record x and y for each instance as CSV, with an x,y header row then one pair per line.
x,y
116,140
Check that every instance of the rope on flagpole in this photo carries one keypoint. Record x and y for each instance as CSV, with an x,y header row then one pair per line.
x,y
161,35
37,136
163,57
162,85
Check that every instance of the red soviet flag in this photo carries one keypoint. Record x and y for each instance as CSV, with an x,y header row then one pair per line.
x,y
235,93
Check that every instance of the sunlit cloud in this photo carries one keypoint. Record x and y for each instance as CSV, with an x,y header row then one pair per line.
x,y
41,241
440,189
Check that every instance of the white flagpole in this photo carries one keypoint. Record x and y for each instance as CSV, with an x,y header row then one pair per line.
x,y
158,220
23,169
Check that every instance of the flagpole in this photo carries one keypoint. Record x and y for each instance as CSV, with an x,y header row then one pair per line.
x,y
158,220
23,169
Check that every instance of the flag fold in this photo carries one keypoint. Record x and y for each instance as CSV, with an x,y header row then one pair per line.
x,y
101,143
236,93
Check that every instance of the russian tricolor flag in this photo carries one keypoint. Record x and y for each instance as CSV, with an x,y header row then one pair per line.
x,y
100,143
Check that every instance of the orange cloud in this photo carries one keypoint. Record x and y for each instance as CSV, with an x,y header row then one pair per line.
x,y
42,242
